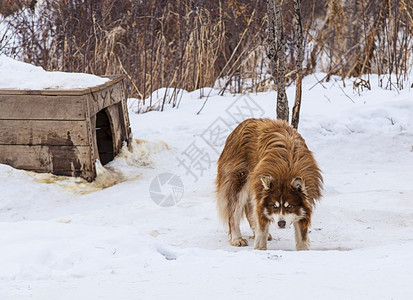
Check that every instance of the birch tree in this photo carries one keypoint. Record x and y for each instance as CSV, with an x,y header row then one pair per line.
x,y
276,54
298,62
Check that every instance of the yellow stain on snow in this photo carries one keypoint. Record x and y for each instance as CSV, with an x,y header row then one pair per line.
x,y
139,154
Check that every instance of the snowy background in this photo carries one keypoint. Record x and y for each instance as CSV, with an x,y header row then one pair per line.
x,y
64,238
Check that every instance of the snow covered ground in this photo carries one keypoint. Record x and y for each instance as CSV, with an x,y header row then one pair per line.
x,y
64,238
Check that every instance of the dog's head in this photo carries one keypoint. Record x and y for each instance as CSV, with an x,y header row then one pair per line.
x,y
284,203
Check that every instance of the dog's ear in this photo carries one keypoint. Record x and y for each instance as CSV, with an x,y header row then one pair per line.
x,y
266,182
299,185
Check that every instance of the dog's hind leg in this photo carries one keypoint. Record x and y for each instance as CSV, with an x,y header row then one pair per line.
x,y
231,200
230,212
249,213
235,232
248,208
237,203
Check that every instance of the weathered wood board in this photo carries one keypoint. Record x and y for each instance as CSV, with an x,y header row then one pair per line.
x,y
60,160
43,132
104,98
41,107
55,130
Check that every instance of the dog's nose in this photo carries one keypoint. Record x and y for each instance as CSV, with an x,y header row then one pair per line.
x,y
281,224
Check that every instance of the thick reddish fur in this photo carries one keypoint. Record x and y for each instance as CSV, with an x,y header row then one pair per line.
x,y
262,152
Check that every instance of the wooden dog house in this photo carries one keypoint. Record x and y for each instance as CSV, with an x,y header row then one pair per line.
x,y
63,131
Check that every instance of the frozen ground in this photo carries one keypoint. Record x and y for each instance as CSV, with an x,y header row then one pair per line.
x,y
63,238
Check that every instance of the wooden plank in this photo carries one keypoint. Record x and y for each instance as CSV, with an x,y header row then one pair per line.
x,y
70,160
106,97
59,160
32,158
124,115
94,152
40,107
43,132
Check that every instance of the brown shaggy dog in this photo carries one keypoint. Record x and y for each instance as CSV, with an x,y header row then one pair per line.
x,y
266,172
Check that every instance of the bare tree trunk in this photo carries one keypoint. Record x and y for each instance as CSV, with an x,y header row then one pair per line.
x,y
276,54
298,63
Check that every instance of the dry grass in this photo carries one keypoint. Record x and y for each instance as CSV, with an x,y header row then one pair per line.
x,y
188,45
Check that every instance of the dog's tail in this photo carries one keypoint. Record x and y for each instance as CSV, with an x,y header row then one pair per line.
x,y
222,208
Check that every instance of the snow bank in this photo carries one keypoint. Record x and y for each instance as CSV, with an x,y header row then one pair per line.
x,y
24,76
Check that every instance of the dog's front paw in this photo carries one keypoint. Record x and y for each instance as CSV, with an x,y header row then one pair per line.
x,y
239,242
260,243
303,246
260,248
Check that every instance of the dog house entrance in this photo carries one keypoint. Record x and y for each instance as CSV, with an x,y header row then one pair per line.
x,y
104,137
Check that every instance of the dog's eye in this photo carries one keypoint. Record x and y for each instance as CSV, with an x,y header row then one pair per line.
x,y
290,206
275,206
